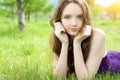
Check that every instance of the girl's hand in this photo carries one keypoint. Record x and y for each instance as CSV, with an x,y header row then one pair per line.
x,y
60,32
85,33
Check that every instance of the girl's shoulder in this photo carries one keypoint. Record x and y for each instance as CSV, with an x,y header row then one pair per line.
x,y
98,33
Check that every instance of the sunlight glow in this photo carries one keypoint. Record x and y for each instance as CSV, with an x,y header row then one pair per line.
x,y
105,3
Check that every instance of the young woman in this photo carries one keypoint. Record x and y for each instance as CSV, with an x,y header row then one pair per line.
x,y
77,46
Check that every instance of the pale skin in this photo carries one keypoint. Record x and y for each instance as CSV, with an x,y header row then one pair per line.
x,y
71,23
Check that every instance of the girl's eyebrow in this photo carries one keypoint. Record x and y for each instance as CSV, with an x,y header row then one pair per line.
x,y
80,14
70,14
66,14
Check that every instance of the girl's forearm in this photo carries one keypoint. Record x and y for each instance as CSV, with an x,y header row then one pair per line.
x,y
61,67
80,67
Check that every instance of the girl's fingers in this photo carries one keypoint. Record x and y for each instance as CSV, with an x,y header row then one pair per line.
x,y
87,31
88,28
59,27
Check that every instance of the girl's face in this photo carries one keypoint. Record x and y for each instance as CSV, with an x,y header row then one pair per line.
x,y
72,19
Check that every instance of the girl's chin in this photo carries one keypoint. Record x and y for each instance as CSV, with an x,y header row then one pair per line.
x,y
73,34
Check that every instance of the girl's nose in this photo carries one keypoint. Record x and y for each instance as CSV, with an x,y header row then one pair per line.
x,y
73,22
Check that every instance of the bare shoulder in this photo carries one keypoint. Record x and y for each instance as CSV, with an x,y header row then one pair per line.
x,y
99,41
98,33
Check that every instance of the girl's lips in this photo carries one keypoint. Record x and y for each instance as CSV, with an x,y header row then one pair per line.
x,y
73,29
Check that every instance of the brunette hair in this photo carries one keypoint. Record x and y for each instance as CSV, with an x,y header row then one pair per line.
x,y
55,42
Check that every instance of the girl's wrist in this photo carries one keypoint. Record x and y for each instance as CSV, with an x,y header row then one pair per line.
x,y
65,44
77,41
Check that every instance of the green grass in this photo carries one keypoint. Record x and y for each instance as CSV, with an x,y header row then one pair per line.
x,y
26,55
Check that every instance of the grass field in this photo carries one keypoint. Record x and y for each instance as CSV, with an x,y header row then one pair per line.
x,y
26,55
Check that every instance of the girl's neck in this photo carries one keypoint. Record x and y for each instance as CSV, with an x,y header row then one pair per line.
x,y
71,38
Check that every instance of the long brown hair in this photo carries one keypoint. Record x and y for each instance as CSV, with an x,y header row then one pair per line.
x,y
55,42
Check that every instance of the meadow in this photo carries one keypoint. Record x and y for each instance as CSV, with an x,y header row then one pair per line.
x,y
26,55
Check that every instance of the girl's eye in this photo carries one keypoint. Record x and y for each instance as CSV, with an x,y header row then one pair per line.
x,y
80,17
66,17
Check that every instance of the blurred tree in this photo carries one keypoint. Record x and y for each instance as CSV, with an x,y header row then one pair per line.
x,y
21,17
48,8
114,10
39,7
34,7
11,7
8,7
98,11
